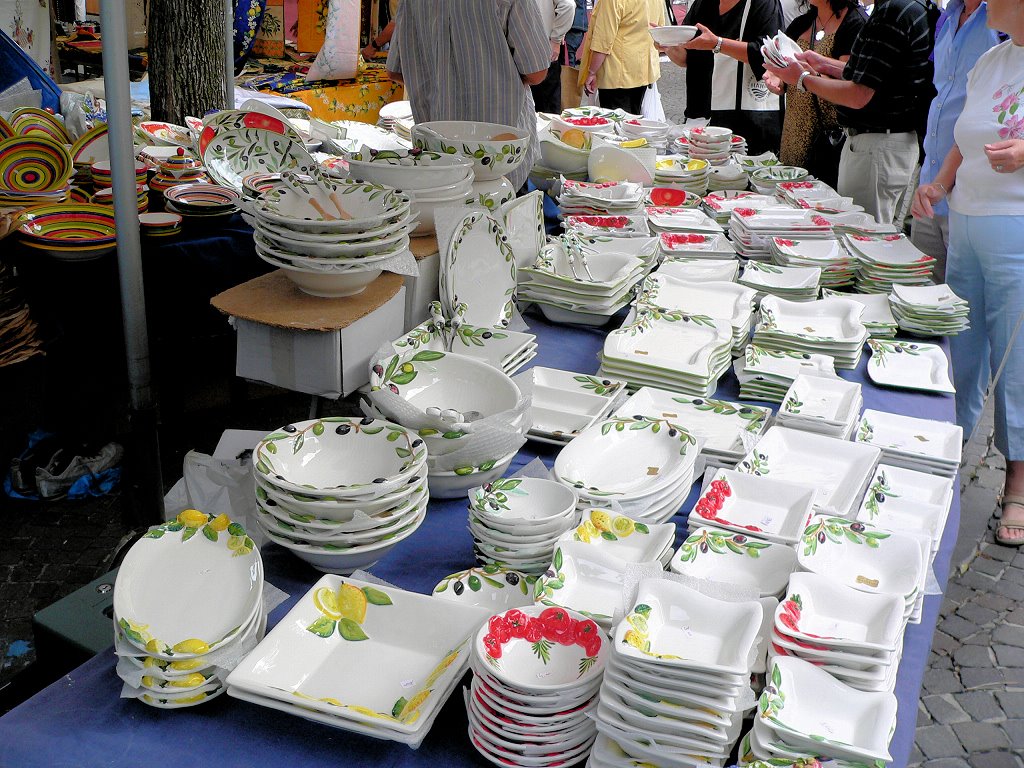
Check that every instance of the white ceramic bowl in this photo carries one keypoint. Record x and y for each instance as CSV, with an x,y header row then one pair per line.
x,y
491,195
522,502
369,205
442,193
452,485
426,211
337,510
409,171
330,285
491,159
559,156
673,35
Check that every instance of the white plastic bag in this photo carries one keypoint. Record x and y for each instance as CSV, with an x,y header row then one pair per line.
x,y
651,108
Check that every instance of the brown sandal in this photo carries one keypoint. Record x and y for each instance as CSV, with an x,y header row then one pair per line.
x,y
1019,501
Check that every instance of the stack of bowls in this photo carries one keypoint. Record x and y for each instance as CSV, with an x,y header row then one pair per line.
x,y
654,131
180,633
565,151
683,172
105,196
330,237
102,176
765,180
340,492
536,675
495,150
69,231
713,144
159,224
33,169
444,396
201,201
516,521
431,180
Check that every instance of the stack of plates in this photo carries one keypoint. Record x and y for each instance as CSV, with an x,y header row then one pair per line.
x,y
681,220
69,231
655,131
780,50
560,283
828,326
19,337
670,349
727,177
725,428
609,199
506,350
340,492
823,405
877,317
536,675
857,637
694,245
792,283
724,301
106,197
391,114
201,200
750,163
838,267
343,657
888,260
932,310
34,169
516,521
103,177
923,445
679,665
713,144
796,192
159,224
736,558
608,226
722,204
563,404
328,237
752,231
683,172
806,715
179,633
765,180
643,464
767,374
670,197
700,270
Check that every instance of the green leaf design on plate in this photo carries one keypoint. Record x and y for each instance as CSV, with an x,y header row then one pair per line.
x,y
324,627
542,650
189,533
377,597
351,631
209,532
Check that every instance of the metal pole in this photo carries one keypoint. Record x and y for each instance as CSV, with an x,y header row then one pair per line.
x,y
145,451
229,61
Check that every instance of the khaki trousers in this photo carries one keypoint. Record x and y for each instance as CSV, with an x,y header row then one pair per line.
x,y
876,169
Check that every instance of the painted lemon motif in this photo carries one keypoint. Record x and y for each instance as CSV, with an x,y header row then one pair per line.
x,y
192,645
351,603
365,711
623,527
189,681
440,668
148,681
413,704
665,165
634,143
236,542
326,601
635,639
193,518
186,665
191,699
153,646
574,137
590,530
696,165
601,520
638,622
220,523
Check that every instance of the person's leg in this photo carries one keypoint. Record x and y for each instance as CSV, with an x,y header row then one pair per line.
x,y
547,95
858,173
969,349
627,99
999,243
932,237
897,160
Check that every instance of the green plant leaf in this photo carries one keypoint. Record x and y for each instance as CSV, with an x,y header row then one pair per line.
x,y
323,627
404,378
376,597
426,356
349,630
209,533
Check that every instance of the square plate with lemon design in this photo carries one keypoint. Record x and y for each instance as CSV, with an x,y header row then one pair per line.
x,y
366,655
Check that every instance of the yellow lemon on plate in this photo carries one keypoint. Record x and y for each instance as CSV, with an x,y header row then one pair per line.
x,y
193,518
634,638
623,527
186,665
638,622
601,519
351,603
696,165
153,646
633,143
220,523
326,601
189,681
665,165
440,668
574,137
583,533
192,645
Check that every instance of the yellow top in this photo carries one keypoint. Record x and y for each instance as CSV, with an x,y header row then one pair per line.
x,y
619,28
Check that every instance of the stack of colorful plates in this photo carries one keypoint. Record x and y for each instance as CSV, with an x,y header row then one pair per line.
x,y
203,201
609,199
888,260
923,445
824,405
828,326
713,144
767,374
160,224
340,492
752,231
33,169
765,180
608,226
344,657
679,667
694,245
838,267
102,176
36,122
792,283
536,675
932,310
720,205
178,634
105,196
69,231
682,172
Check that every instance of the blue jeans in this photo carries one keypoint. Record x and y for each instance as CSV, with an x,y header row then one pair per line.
x,y
986,267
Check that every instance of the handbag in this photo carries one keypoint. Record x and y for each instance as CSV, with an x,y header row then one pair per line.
x,y
825,149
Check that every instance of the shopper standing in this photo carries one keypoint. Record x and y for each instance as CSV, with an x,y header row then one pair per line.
x,y
572,88
623,62
557,18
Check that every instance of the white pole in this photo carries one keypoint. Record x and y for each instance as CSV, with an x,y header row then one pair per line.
x,y
229,61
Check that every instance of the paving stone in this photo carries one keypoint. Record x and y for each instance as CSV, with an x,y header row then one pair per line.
x,y
943,643
979,737
923,718
994,602
987,566
1009,589
1012,703
1015,617
977,581
942,681
1015,731
1016,575
999,552
939,741
978,677
1009,656
1009,635
947,762
991,479
1000,759
973,656
944,709
958,627
976,614
980,705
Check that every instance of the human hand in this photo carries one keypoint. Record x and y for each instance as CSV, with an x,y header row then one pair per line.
x,y
1006,156
773,82
789,74
556,48
705,41
369,52
590,84
925,198
813,61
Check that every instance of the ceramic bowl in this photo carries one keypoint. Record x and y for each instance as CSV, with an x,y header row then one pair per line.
x,y
490,586
344,256
426,210
336,510
411,170
562,157
522,502
448,191
330,285
312,209
297,532
453,484
668,36
202,197
734,558
492,158
71,225
34,164
491,195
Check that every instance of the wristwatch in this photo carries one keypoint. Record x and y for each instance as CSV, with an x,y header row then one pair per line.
x,y
800,80
718,46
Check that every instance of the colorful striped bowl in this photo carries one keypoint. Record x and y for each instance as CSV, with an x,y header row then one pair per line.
x,y
34,164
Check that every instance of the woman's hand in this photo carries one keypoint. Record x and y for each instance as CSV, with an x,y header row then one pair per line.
x,y
590,84
705,41
925,198
1006,156
369,52
775,84
789,74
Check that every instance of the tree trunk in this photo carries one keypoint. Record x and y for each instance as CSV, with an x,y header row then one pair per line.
x,y
186,58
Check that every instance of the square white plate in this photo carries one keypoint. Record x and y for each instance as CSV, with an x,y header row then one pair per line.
x,y
755,505
909,365
817,397
936,441
700,270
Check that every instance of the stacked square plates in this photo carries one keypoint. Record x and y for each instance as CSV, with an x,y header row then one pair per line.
x,y
828,326
923,445
805,714
654,131
720,205
877,317
857,637
728,302
670,349
680,664
752,231
823,405
713,144
932,310
700,270
837,470
175,635
580,198
608,226
793,192
572,284
838,267
643,464
726,428
682,172
906,365
341,492
888,260
670,197
767,374
722,556
506,350
681,220
791,283
342,657
536,675
696,245
563,404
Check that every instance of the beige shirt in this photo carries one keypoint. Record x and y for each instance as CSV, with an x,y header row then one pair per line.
x,y
620,29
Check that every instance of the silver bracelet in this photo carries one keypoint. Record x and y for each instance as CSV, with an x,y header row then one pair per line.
x,y
941,186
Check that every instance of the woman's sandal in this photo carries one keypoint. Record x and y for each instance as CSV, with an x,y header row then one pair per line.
x,y
1019,501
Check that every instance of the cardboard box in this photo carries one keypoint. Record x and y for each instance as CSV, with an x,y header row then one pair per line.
x,y
422,289
308,344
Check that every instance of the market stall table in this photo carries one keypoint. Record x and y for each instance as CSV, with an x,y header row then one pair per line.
x,y
81,721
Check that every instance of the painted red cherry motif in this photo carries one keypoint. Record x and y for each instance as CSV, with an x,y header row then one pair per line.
x,y
493,646
745,211
784,243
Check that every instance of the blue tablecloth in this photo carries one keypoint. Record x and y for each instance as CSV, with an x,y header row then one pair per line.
x,y
80,721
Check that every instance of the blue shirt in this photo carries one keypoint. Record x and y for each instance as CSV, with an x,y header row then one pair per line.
x,y
956,52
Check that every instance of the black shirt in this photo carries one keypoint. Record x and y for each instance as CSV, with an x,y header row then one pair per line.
x,y
891,56
764,19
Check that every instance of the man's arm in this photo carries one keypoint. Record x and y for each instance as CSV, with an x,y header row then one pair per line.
x,y
845,93
528,41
